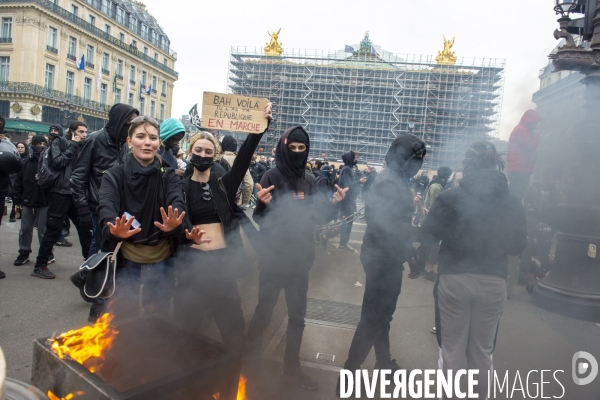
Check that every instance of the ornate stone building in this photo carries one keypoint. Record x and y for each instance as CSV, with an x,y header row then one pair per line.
x,y
62,60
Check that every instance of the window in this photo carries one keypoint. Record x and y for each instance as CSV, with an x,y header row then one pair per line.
x,y
154,84
72,47
152,107
4,68
145,50
155,56
120,68
142,101
164,87
92,20
130,99
162,112
145,31
74,10
133,24
120,15
107,29
121,37
70,83
117,95
105,59
49,77
52,34
87,88
103,91
144,78
165,61
134,44
55,2
132,74
6,27
105,7
90,56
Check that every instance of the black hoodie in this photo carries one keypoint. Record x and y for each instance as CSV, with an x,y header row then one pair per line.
x,y
347,180
479,224
288,222
101,151
389,207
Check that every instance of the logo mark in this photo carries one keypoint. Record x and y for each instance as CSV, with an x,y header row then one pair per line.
x,y
584,363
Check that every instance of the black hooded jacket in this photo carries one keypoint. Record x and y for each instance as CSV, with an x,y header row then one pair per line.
x,y
479,223
63,156
389,207
101,151
347,180
288,222
26,191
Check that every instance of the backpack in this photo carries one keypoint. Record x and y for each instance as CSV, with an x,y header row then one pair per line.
x,y
46,173
10,160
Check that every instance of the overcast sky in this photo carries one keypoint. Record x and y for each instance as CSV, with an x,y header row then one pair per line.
x,y
203,32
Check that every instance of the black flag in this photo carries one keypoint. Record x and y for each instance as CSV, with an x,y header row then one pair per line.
x,y
194,117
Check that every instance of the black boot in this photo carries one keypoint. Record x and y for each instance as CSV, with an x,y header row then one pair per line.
x,y
96,311
79,282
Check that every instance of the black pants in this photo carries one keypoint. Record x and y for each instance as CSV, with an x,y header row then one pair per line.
x,y
382,288
59,207
295,287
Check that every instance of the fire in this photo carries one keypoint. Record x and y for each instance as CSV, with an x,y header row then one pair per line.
x,y
86,343
70,396
241,393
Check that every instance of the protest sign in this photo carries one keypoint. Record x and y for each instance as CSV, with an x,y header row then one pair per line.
x,y
230,112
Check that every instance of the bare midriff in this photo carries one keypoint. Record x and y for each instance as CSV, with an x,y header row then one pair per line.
x,y
214,232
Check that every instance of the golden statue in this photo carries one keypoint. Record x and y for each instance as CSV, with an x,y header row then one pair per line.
x,y
273,48
446,56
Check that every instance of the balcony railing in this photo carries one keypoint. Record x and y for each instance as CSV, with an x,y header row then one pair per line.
x,y
37,90
67,15
105,71
163,95
154,91
5,40
52,49
89,65
119,77
71,57
132,82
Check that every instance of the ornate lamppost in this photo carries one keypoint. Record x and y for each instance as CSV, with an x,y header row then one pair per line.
x,y
572,287
66,107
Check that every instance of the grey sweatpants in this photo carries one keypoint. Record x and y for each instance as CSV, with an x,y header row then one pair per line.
x,y
28,217
467,313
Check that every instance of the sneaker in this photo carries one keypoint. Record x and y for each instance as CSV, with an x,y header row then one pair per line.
x,y
64,243
96,311
22,259
79,282
345,248
430,275
2,275
389,364
297,376
51,259
434,330
43,272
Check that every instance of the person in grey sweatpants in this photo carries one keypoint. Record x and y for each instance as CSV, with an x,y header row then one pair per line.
x,y
479,224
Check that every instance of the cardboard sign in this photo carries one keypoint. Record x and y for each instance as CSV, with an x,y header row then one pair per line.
x,y
230,112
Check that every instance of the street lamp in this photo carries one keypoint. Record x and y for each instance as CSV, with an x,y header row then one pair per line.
x,y
564,7
66,107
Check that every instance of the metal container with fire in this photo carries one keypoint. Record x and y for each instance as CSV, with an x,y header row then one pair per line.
x,y
145,358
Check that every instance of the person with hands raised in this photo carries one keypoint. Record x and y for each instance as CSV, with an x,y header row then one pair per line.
x,y
289,207
144,199
207,280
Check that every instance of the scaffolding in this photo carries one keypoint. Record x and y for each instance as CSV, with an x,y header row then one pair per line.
x,y
363,100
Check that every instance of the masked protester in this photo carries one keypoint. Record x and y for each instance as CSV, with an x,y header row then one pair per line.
x,y
62,155
289,208
479,224
348,206
387,244
101,151
30,200
208,280
171,132
150,191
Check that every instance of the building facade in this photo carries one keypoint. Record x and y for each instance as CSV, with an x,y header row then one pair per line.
x,y
361,100
62,60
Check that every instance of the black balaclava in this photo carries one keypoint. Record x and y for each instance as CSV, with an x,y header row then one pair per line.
x,y
58,128
229,144
202,163
290,162
35,145
117,126
402,155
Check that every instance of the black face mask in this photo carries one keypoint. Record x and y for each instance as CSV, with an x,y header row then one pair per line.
x,y
297,159
354,162
37,150
202,163
124,133
412,166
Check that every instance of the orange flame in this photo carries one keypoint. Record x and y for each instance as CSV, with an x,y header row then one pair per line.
x,y
86,343
70,396
241,393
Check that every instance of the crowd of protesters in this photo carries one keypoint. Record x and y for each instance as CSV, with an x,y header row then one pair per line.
x,y
176,217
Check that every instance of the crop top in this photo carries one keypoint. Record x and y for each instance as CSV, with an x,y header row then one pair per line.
x,y
202,211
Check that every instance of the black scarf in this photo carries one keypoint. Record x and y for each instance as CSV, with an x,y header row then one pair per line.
x,y
143,195
289,163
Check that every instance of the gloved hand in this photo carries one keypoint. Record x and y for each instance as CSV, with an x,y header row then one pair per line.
x,y
85,218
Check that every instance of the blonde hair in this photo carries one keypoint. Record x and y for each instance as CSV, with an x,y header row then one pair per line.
x,y
204,135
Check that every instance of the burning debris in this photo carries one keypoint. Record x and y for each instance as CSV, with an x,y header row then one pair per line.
x,y
241,393
70,396
86,345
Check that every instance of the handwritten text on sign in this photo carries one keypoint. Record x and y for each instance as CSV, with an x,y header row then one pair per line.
x,y
234,113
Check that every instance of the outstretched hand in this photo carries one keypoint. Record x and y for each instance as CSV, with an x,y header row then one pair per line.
x,y
170,221
339,195
121,228
196,236
264,195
